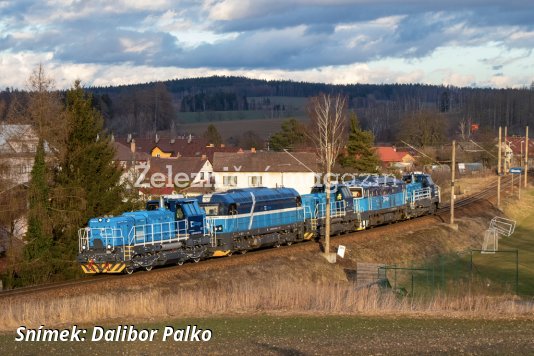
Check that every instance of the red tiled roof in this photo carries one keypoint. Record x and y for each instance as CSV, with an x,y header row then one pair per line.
x,y
182,146
389,154
124,154
187,165
263,161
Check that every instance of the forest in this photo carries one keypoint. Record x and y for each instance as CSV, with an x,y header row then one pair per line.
x,y
388,110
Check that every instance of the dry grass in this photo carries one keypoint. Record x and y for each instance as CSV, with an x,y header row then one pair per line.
x,y
249,297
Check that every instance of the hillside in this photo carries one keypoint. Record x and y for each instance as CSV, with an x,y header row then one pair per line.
x,y
171,105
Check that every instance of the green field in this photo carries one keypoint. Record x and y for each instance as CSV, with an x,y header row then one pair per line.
x,y
332,335
489,274
499,266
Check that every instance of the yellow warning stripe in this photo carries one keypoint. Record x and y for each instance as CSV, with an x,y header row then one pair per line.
x,y
308,235
220,253
103,267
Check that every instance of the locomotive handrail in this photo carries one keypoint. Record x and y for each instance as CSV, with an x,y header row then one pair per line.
x,y
172,233
419,194
108,236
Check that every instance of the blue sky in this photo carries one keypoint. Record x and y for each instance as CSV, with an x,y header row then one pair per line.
x,y
464,43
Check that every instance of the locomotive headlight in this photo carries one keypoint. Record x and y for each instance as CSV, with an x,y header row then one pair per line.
x,y
99,219
109,247
84,247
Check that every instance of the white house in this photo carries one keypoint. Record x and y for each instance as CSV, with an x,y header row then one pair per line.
x,y
264,169
18,145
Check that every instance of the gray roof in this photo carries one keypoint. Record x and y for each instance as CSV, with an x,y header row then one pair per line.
x,y
10,135
265,161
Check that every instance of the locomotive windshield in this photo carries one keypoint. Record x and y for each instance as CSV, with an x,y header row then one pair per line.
x,y
211,210
357,193
152,206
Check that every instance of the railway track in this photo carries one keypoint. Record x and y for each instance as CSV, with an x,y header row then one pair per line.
x,y
487,193
109,280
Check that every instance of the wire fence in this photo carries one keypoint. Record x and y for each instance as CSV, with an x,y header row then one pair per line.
x,y
469,271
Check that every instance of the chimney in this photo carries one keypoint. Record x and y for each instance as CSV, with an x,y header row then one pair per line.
x,y
173,140
189,139
132,145
157,138
112,137
129,139
203,157
253,149
222,145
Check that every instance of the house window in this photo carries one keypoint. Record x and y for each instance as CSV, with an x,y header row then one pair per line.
x,y
230,181
201,175
254,181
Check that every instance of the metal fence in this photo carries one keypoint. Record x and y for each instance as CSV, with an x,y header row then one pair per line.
x,y
470,270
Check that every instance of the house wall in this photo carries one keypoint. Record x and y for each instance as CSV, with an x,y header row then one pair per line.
x,y
302,182
204,175
18,169
157,152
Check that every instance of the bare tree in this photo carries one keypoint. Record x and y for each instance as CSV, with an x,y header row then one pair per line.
x,y
45,108
329,120
464,126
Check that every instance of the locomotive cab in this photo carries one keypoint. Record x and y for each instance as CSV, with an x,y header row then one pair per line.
x,y
183,209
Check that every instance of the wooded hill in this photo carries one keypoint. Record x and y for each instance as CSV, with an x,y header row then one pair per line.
x,y
385,109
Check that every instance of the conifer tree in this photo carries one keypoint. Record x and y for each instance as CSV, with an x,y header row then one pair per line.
x,y
360,154
212,135
293,134
87,178
38,250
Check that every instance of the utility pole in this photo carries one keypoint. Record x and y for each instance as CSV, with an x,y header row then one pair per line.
x,y
453,171
526,157
327,190
499,171
505,163
519,187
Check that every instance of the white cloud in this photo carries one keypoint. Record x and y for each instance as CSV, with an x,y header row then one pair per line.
x,y
335,41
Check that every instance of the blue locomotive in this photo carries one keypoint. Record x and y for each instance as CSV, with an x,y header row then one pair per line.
x,y
175,230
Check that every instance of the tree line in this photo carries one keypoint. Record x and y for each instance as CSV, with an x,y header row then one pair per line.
x,y
149,107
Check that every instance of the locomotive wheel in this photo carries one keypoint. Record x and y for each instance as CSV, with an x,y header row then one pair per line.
x,y
243,251
129,270
289,243
179,263
149,268
230,253
277,245
196,260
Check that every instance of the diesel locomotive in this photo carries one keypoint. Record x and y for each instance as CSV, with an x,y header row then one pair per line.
x,y
175,230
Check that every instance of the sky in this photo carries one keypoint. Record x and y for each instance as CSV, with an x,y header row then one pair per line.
x,y
455,42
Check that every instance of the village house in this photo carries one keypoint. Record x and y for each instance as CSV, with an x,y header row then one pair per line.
x,y
18,145
264,169
189,176
391,158
166,175
517,148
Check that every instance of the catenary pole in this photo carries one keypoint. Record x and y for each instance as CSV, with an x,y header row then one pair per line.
x,y
453,171
526,157
499,170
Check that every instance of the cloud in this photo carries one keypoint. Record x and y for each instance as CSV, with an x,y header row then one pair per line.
x,y
290,37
